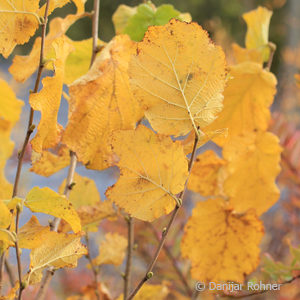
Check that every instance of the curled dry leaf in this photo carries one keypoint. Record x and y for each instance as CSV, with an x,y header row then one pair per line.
x,y
153,170
253,165
179,75
221,244
47,101
101,102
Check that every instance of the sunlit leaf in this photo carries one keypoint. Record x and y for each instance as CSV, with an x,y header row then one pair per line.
x,y
247,99
153,170
32,234
101,102
204,178
49,202
221,244
181,91
253,165
47,101
257,36
59,250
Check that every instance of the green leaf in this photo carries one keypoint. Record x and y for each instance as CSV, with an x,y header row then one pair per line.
x,y
135,21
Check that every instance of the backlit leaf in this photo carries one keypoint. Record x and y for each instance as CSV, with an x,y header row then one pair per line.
x,y
221,244
247,99
47,162
257,36
59,250
32,234
18,22
49,202
91,215
179,89
57,28
253,165
47,101
153,170
204,178
83,193
78,62
101,102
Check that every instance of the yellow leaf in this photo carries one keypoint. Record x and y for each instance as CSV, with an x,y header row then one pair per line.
x,y
5,215
204,178
297,77
253,165
101,102
18,22
52,6
243,54
179,89
6,237
111,250
47,163
257,36
32,234
78,62
121,16
91,215
80,5
84,192
222,245
188,142
47,101
49,202
57,28
10,106
153,170
247,99
150,292
59,250
10,109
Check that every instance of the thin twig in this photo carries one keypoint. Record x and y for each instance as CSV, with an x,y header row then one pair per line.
x,y
165,231
95,27
10,273
272,48
94,269
174,263
54,226
18,254
127,276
